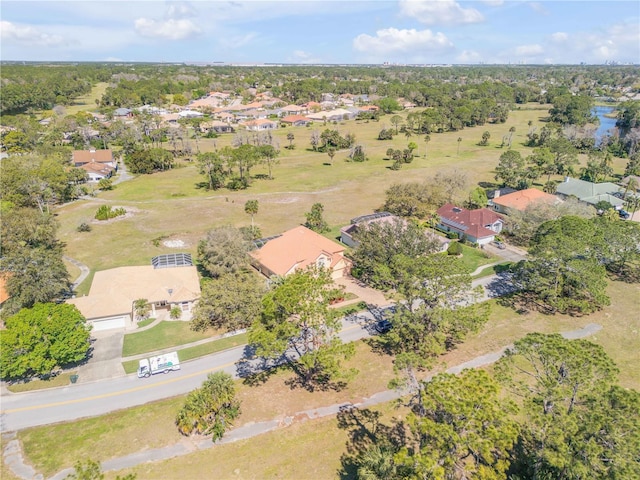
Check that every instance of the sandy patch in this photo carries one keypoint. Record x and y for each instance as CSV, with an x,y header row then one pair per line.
x,y
174,243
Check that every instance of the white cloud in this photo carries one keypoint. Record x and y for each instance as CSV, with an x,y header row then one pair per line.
x,y
444,12
180,10
493,3
29,36
237,41
538,8
469,56
529,50
559,37
171,29
300,56
392,40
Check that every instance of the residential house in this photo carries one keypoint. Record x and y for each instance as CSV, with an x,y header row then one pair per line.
x,y
292,110
111,298
336,115
296,120
97,171
477,226
103,157
297,249
347,232
122,113
260,125
591,193
190,114
520,200
4,295
216,126
252,114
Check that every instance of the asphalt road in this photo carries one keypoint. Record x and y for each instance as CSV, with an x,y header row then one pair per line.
x,y
30,409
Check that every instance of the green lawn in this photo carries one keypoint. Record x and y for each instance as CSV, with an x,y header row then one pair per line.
x,y
190,353
169,204
472,258
163,335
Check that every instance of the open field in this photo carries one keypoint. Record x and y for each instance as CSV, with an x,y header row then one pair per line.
x,y
152,425
87,102
169,206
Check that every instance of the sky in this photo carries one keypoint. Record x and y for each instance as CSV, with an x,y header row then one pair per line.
x,y
326,32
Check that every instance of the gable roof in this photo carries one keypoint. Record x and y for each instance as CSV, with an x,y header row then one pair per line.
x,y
114,291
297,248
87,156
98,168
583,189
295,118
523,198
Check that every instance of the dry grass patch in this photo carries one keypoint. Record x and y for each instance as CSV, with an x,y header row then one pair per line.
x,y
55,447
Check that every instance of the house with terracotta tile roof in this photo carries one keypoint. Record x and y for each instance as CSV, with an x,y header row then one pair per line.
x,y
4,295
293,110
97,171
81,157
298,249
521,199
478,226
109,304
296,120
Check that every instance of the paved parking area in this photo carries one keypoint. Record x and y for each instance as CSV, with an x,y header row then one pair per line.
x,y
106,358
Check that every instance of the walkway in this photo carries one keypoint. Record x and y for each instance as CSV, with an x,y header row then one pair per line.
x,y
15,461
84,271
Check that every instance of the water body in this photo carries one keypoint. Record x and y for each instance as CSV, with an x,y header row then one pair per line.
x,y
606,123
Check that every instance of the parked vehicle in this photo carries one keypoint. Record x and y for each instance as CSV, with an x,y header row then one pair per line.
x,y
158,364
624,214
383,326
500,245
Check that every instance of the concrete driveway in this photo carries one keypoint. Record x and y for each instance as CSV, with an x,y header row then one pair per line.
x,y
510,253
106,358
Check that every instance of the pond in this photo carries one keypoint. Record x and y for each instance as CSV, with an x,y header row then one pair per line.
x,y
606,123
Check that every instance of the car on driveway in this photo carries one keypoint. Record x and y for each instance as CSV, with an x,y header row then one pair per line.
x,y
499,244
624,214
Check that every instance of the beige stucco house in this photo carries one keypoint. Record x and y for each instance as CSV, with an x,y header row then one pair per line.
x,y
109,304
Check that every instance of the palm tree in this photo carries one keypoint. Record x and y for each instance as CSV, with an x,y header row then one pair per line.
x,y
511,132
210,409
141,308
459,141
427,139
376,463
290,137
251,207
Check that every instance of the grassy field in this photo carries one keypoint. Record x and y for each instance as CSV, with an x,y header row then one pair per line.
x,y
54,447
87,103
164,335
169,205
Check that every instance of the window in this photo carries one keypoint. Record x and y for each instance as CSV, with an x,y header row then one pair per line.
x,y
184,306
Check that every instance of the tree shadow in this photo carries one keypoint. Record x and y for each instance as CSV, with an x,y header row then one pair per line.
x,y
365,429
254,370
316,383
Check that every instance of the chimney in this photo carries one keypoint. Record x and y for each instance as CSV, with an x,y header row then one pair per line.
x,y
566,179
496,194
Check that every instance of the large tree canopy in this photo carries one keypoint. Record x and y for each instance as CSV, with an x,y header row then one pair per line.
x,y
379,242
39,339
297,324
224,250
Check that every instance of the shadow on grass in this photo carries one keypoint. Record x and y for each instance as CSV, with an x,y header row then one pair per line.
x,y
365,431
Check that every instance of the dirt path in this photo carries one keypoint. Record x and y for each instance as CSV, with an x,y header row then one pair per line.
x,y
15,461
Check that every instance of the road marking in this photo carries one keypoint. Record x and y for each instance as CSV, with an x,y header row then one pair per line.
x,y
120,392
135,389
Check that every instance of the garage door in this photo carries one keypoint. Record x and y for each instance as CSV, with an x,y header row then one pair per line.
x,y
109,323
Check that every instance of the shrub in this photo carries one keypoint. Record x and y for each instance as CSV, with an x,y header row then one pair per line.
x,y
105,212
84,227
454,249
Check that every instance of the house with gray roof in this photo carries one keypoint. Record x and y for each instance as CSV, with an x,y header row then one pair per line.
x,y
589,192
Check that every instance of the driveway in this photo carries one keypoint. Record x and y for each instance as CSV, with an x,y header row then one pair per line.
x,y
106,358
510,253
